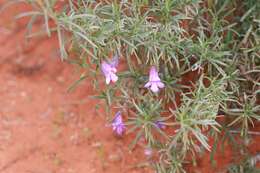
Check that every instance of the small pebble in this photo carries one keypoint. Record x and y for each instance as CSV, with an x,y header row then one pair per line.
x,y
114,158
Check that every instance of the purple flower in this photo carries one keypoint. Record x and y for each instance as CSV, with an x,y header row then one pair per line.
x,y
117,124
154,80
109,69
148,152
159,124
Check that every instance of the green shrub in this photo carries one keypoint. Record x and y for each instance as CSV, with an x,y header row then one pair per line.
x,y
206,53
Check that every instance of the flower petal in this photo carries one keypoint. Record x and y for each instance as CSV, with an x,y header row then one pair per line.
x,y
105,67
154,87
148,152
113,77
120,130
118,119
160,84
153,75
117,124
108,80
114,70
148,84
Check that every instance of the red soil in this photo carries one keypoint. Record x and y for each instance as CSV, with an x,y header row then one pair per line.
x,y
45,129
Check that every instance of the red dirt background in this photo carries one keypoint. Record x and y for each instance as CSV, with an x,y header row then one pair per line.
x,y
45,129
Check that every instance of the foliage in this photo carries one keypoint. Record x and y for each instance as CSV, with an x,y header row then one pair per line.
x,y
215,41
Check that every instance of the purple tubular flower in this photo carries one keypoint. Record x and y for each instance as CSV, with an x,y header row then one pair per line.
x,y
154,82
109,69
159,124
118,124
